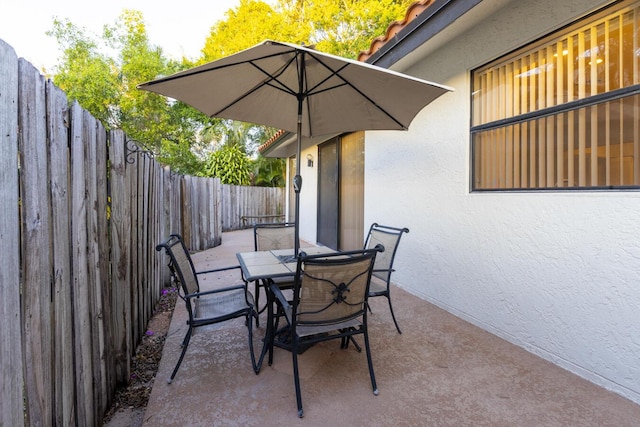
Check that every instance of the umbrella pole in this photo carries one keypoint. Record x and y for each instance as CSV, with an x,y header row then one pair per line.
x,y
297,186
297,180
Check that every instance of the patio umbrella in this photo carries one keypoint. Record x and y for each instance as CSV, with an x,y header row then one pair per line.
x,y
301,90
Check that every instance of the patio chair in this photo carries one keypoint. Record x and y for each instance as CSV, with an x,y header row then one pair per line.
x,y
329,302
206,307
389,237
267,237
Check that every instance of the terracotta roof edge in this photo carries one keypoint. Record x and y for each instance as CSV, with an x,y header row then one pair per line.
x,y
415,9
271,140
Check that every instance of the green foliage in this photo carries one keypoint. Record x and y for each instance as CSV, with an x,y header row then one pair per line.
x,y
340,27
106,86
269,172
230,164
180,157
85,74
347,27
249,24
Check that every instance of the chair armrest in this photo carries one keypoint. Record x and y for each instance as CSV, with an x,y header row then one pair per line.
x,y
216,291
219,269
279,296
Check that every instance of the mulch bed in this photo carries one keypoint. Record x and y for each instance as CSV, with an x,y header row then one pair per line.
x,y
145,364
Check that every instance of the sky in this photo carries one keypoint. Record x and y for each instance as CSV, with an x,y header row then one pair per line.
x,y
179,27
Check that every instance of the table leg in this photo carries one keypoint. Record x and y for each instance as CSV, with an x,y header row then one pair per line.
x,y
268,336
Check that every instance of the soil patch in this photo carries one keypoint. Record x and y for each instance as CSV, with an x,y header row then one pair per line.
x,y
129,401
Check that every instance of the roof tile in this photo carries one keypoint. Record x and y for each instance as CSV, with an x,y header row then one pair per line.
x,y
395,27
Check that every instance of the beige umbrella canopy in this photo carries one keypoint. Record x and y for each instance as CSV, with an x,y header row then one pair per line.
x,y
298,89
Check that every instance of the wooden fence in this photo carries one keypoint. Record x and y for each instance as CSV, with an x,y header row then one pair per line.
x,y
243,206
82,210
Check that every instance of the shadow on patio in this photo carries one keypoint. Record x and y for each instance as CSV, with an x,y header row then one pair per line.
x,y
442,371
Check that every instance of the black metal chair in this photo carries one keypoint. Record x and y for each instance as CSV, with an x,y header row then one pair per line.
x,y
206,307
389,237
267,237
329,302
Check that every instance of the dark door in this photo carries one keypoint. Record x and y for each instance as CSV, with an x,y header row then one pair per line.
x,y
328,194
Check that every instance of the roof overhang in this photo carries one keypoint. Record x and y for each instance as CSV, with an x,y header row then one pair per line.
x,y
283,145
432,29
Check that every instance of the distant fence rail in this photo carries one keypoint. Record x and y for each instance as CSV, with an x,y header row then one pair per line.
x,y
82,210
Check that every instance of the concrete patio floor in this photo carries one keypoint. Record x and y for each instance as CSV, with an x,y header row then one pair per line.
x,y
442,371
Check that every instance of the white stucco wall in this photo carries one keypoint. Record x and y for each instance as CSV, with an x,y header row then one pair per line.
x,y
555,273
308,196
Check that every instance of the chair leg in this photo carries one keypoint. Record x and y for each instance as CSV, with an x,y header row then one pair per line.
x,y
344,342
370,362
392,314
296,376
249,322
185,344
256,289
272,326
355,344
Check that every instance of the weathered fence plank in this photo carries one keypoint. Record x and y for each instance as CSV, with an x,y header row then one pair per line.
x,y
218,204
58,122
121,264
95,274
12,387
36,244
80,274
107,366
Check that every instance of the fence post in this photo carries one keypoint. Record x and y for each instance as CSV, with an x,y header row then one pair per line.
x,y
12,389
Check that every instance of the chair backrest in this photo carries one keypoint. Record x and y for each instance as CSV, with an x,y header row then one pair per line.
x,y
389,237
332,288
180,264
273,236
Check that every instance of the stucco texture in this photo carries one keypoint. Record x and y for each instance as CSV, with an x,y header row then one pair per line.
x,y
555,273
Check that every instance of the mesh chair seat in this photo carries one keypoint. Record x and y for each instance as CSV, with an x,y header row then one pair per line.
x,y
215,306
309,330
377,287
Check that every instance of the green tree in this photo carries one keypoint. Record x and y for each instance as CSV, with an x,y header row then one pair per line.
x,y
250,23
180,157
269,172
85,74
230,164
106,85
347,27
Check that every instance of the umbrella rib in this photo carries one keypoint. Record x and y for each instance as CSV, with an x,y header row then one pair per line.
x,y
348,83
266,82
196,72
274,77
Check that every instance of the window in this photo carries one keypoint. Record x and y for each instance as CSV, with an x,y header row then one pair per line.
x,y
352,191
564,112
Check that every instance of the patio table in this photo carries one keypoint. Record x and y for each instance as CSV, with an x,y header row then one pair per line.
x,y
273,264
